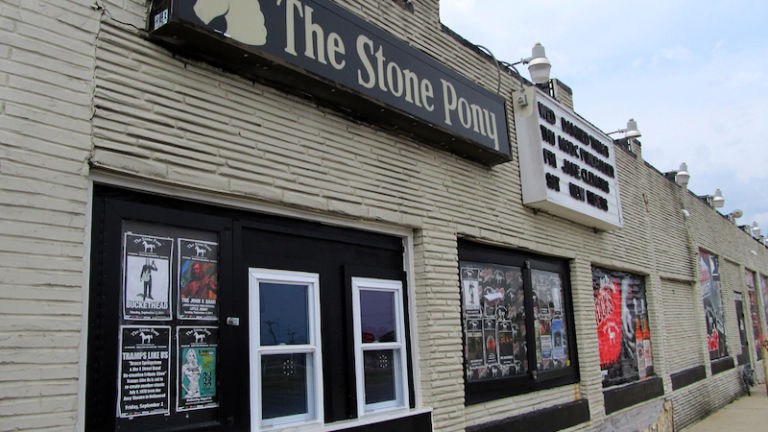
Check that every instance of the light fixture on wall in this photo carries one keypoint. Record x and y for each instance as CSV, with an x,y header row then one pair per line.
x,y
631,131
716,200
538,64
732,216
681,176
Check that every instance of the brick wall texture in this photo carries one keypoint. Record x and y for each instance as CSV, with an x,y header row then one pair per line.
x,y
84,93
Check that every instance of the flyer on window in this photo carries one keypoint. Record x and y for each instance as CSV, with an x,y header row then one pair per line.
x,y
144,365
494,320
198,279
558,339
147,277
196,368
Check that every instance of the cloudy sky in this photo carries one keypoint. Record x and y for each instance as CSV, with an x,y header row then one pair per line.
x,y
693,74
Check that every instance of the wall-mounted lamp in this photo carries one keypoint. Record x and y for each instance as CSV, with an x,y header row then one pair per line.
x,y
732,216
716,200
538,65
681,176
630,131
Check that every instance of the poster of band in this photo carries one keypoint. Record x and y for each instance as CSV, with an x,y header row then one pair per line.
x,y
757,333
494,321
146,279
196,368
143,387
198,279
622,326
709,279
548,315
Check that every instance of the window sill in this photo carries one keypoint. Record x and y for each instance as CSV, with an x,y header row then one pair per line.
x,y
376,418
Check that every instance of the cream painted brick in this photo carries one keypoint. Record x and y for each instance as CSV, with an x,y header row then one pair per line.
x,y
127,163
39,422
28,374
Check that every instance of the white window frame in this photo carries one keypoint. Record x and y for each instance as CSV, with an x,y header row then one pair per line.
x,y
400,360
314,366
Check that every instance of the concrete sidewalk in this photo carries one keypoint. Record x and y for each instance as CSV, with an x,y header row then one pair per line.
x,y
747,414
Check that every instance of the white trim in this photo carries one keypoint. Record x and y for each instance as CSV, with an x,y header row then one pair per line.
x,y
412,317
314,366
86,292
398,347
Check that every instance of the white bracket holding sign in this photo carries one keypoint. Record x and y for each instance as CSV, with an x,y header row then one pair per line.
x,y
567,166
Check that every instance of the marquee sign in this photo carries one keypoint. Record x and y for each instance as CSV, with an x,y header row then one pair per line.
x,y
567,166
317,48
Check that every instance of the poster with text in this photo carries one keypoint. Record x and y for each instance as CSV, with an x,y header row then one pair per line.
x,y
558,340
198,279
144,365
147,277
757,333
764,290
196,368
494,321
547,308
622,326
709,278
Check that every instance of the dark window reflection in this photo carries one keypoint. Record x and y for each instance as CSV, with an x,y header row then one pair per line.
x,y
284,314
379,376
377,310
283,385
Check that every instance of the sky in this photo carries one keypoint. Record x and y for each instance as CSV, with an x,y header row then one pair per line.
x,y
693,74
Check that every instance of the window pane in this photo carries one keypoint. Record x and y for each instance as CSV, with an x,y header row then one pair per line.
x,y
379,370
283,312
549,321
377,310
284,389
494,321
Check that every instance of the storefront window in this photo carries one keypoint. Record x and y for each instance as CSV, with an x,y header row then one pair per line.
x,y
764,289
622,326
757,333
709,278
516,321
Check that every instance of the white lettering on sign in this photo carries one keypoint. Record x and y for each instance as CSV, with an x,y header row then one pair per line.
x,y
471,116
377,72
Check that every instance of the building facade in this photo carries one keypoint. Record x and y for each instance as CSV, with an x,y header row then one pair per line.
x,y
335,215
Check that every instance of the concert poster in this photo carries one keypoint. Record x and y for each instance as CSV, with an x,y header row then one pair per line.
x,y
147,277
196,368
198,280
143,383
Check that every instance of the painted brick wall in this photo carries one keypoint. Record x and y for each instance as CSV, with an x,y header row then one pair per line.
x,y
681,322
46,81
82,84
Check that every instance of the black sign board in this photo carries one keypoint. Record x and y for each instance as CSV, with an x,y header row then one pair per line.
x,y
317,48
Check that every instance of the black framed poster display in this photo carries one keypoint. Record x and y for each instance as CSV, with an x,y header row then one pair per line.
x,y
143,384
196,368
146,277
198,280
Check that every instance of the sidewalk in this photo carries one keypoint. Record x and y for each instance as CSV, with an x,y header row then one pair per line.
x,y
747,414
